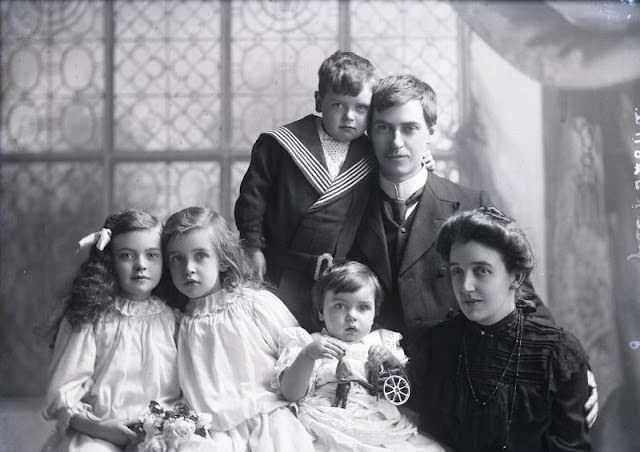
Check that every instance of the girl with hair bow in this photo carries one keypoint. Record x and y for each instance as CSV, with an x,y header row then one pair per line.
x,y
115,349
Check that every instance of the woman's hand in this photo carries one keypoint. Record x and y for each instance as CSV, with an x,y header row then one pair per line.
x,y
324,347
379,355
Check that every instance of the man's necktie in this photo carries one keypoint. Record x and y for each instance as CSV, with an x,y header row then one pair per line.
x,y
399,206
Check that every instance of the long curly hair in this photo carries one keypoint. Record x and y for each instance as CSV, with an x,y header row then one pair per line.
x,y
94,289
227,246
491,227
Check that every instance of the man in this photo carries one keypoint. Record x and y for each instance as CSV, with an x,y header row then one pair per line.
x,y
400,226
397,235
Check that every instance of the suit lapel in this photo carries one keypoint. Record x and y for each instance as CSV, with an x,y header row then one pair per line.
x,y
430,214
372,240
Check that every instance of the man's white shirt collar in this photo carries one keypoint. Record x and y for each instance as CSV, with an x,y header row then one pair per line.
x,y
405,188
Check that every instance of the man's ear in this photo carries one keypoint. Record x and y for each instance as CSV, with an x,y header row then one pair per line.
x,y
321,316
318,99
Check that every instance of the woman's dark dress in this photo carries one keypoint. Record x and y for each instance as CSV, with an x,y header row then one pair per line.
x,y
550,392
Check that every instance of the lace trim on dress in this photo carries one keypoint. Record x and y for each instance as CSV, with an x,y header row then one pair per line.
x,y
140,308
214,303
292,341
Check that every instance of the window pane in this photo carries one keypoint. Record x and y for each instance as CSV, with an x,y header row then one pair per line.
x,y
52,76
276,49
167,75
163,188
418,38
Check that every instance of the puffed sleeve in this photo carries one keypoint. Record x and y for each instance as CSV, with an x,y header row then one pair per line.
x,y
71,373
391,341
569,392
255,188
271,317
292,341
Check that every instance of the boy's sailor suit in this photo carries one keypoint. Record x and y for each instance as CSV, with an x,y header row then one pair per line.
x,y
291,208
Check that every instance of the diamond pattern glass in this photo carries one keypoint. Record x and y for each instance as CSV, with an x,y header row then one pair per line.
x,y
155,104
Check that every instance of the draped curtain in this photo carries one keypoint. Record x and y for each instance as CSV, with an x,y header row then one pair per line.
x,y
572,45
586,57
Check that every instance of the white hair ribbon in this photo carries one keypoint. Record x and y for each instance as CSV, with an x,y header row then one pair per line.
x,y
100,239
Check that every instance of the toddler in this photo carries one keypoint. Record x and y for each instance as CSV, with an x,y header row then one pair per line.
x,y
346,298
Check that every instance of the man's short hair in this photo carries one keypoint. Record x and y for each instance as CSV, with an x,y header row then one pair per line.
x,y
400,89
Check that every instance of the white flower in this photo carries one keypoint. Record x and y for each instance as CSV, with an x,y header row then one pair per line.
x,y
152,422
179,429
204,420
155,445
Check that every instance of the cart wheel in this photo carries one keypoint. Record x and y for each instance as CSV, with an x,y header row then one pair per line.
x,y
396,389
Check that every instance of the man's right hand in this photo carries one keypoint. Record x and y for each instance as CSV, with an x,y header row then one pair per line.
x,y
258,261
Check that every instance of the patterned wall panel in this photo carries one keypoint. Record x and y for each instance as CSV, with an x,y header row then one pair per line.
x,y
163,188
420,38
52,76
276,49
167,75
186,87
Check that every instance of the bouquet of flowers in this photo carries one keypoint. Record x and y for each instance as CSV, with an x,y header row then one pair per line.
x,y
166,430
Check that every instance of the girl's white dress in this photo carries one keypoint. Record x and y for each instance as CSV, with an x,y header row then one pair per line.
x,y
367,423
228,345
111,370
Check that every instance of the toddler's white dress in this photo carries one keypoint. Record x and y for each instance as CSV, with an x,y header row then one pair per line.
x,y
368,423
228,345
111,370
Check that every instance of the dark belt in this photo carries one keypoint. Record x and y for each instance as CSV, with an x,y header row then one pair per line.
x,y
311,264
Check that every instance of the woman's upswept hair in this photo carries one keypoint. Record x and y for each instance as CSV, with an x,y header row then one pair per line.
x,y
491,227
345,277
238,271
95,287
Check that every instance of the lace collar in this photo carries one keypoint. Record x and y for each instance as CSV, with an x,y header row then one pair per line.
x,y
137,308
214,302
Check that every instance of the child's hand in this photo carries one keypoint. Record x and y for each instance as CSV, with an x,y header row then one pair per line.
x,y
379,355
115,431
324,347
258,261
428,161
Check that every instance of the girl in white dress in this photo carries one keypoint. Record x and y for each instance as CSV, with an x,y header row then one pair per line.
x,y
115,346
346,417
228,339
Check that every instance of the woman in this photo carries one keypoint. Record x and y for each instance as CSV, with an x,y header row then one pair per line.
x,y
496,377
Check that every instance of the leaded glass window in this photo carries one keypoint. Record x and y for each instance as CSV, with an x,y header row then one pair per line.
x,y
155,105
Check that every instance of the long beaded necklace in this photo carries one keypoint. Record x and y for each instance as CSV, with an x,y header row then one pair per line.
x,y
517,348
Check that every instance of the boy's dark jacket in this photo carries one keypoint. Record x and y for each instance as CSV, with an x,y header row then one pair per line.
x,y
275,195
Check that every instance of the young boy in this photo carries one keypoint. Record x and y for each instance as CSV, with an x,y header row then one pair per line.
x,y
307,184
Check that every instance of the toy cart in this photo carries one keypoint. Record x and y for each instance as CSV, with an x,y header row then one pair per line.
x,y
393,385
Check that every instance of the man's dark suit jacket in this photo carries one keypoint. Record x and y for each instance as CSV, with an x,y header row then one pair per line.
x,y
424,286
